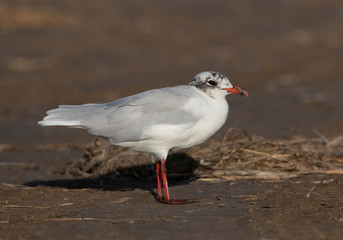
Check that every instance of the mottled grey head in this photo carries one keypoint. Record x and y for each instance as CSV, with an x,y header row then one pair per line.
x,y
215,84
211,83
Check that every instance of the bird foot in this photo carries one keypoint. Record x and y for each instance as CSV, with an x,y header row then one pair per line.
x,y
178,201
175,201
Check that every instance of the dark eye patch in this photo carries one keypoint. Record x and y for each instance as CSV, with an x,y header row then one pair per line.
x,y
211,83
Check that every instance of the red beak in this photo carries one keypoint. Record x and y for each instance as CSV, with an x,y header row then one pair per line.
x,y
237,90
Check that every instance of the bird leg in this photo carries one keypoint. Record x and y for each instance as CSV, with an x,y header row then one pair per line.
x,y
165,181
162,176
159,181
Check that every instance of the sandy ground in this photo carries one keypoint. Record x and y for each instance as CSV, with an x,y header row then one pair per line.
x,y
288,55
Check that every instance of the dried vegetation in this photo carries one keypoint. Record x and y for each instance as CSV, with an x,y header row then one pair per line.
x,y
236,155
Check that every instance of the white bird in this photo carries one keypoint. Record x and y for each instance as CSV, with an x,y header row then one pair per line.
x,y
156,121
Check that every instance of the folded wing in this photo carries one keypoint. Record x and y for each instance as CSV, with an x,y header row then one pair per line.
x,y
131,118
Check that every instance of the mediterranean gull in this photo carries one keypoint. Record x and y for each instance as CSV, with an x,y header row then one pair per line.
x,y
156,121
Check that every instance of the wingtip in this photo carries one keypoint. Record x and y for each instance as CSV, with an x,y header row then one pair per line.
x,y
40,123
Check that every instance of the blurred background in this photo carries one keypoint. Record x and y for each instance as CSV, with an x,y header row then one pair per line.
x,y
287,54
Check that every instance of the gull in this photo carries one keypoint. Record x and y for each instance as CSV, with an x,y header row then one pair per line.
x,y
156,121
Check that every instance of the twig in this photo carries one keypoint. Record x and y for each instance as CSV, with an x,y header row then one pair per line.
x,y
321,136
335,142
90,219
253,151
309,193
23,206
243,164
241,133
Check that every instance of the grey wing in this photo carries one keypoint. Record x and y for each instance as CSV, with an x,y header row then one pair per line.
x,y
128,118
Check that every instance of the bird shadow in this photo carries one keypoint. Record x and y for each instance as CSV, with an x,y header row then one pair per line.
x,y
180,171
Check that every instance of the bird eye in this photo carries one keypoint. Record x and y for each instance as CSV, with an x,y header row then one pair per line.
x,y
211,83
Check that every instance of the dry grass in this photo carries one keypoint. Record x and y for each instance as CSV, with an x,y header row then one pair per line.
x,y
236,155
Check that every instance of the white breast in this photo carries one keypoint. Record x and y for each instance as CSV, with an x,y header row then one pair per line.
x,y
214,114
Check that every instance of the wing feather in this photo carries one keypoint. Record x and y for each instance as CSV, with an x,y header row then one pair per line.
x,y
133,117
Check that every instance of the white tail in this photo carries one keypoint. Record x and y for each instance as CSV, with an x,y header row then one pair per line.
x,y
68,115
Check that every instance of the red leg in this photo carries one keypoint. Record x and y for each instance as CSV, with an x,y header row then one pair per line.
x,y
167,199
165,181
159,181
